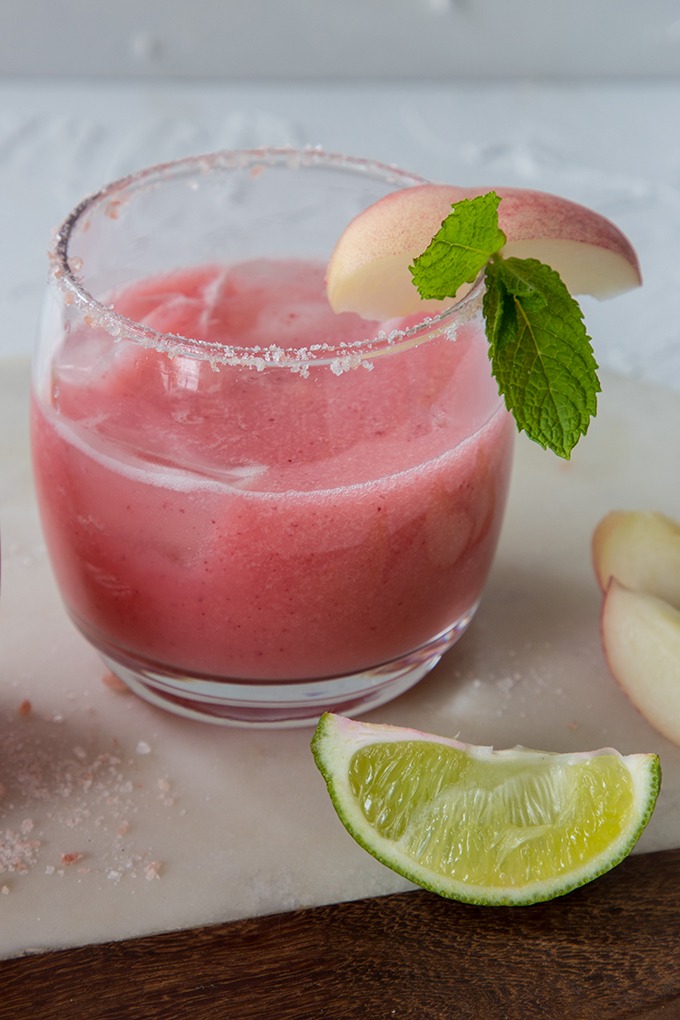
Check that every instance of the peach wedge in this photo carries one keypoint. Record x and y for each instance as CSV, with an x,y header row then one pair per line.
x,y
641,549
368,270
641,641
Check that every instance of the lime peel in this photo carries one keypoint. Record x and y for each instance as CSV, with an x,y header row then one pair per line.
x,y
479,825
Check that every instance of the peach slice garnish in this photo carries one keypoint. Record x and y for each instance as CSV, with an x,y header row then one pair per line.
x,y
368,269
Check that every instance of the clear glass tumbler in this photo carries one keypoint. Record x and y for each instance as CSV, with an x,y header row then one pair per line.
x,y
257,510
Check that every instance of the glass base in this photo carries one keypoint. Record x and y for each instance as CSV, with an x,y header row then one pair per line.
x,y
249,703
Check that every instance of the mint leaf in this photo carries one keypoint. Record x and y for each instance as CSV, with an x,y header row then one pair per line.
x,y
460,249
540,353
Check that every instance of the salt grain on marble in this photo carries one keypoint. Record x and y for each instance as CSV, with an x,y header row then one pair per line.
x,y
114,683
17,854
79,790
72,858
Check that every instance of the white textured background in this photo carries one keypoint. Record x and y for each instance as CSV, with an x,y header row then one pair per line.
x,y
581,98
345,39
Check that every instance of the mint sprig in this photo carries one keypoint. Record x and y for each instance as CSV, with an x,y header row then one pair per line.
x,y
541,355
460,249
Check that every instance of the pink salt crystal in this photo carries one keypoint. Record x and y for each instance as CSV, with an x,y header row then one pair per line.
x,y
16,852
71,858
114,683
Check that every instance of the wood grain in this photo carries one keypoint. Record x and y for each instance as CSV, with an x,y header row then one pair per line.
x,y
609,951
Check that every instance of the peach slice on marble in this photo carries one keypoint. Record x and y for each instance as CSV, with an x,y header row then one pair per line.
x,y
641,549
641,641
368,269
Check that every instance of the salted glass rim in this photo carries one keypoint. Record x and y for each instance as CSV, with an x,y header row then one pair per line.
x,y
340,356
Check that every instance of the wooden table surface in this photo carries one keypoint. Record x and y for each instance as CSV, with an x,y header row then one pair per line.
x,y
610,951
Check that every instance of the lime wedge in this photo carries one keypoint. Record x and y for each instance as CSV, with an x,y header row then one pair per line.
x,y
483,826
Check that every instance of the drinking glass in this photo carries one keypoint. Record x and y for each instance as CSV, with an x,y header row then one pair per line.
x,y
257,510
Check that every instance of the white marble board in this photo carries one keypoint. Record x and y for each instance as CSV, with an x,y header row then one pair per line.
x,y
117,819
